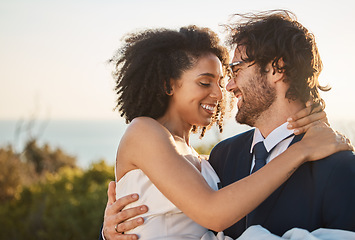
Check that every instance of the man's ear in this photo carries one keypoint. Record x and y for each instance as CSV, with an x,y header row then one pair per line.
x,y
277,70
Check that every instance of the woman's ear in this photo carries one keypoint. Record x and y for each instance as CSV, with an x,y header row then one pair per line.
x,y
169,90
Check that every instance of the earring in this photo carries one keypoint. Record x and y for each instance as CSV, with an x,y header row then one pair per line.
x,y
168,92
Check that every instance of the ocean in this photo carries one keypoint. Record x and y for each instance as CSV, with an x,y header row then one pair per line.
x,y
92,140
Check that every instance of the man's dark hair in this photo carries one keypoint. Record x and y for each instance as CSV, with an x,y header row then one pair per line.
x,y
149,60
276,36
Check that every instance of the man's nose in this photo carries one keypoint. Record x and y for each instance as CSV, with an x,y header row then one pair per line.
x,y
231,84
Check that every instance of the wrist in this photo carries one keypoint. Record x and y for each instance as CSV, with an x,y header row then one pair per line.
x,y
300,153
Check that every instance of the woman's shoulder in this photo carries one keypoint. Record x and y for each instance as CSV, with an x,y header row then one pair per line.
x,y
146,129
143,134
143,121
144,125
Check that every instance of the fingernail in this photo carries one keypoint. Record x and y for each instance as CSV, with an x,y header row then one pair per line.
x,y
143,208
296,131
289,126
308,104
135,196
140,220
289,119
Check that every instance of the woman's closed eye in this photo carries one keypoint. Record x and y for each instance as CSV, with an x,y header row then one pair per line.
x,y
205,84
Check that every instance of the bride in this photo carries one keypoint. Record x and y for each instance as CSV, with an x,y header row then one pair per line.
x,y
169,84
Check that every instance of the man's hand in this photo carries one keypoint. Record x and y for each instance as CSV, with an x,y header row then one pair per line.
x,y
115,223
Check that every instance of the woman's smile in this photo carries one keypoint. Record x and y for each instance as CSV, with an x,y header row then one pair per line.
x,y
209,108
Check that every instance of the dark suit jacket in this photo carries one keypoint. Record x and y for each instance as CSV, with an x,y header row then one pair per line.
x,y
319,194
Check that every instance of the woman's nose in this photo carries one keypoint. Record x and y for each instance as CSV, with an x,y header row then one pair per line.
x,y
217,93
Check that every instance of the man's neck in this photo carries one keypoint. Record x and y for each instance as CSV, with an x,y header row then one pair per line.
x,y
276,115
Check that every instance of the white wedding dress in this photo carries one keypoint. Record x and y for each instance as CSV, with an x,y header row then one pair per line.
x,y
165,221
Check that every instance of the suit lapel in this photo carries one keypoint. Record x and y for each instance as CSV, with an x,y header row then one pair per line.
x,y
245,162
238,166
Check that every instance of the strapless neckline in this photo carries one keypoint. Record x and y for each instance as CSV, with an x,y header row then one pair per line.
x,y
207,172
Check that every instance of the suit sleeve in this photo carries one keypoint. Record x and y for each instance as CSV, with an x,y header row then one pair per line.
x,y
339,198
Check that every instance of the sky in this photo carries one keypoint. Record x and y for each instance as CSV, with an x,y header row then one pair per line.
x,y
53,54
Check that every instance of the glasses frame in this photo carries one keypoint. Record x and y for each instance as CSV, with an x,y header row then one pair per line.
x,y
231,65
236,63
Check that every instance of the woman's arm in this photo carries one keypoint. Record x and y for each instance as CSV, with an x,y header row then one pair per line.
x,y
150,147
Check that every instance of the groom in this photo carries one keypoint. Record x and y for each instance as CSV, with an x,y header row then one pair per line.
x,y
275,72
276,66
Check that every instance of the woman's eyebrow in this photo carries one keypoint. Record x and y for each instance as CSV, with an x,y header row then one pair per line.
x,y
207,75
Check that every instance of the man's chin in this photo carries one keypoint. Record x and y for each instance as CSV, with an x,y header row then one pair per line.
x,y
242,118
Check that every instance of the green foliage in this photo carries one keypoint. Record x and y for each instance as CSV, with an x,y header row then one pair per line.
x,y
10,167
61,202
44,159
44,195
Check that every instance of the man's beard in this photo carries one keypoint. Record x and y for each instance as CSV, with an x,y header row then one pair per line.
x,y
258,96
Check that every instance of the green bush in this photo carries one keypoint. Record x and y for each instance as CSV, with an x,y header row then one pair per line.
x,y
44,195
10,177
63,202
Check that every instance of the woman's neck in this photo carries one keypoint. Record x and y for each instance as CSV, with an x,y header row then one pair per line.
x,y
178,129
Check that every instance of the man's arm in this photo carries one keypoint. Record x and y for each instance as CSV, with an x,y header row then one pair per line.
x,y
115,219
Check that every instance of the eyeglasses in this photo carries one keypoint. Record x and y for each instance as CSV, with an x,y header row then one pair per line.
x,y
235,67
235,63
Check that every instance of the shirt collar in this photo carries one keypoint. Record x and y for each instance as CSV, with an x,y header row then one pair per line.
x,y
275,137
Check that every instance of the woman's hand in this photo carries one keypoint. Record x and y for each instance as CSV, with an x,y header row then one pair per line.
x,y
321,141
312,114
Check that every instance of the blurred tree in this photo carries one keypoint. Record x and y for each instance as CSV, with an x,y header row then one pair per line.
x,y
10,166
44,195
44,159
68,204
78,203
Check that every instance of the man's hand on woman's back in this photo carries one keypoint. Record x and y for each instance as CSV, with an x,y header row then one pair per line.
x,y
115,219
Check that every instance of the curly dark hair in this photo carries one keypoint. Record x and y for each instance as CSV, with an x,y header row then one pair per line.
x,y
150,59
276,35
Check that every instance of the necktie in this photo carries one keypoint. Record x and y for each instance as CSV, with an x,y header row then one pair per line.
x,y
261,154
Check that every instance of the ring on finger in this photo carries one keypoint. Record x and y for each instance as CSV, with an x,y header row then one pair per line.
x,y
116,226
